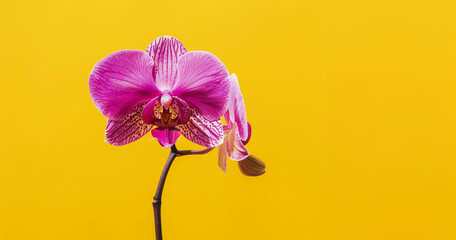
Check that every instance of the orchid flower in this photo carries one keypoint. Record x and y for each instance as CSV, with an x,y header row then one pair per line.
x,y
176,91
168,91
237,134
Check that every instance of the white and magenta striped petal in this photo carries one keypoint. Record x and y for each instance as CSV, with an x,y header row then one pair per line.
x,y
128,129
249,134
234,146
236,111
202,81
120,81
165,52
202,131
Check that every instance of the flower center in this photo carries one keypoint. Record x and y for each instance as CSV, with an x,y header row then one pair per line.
x,y
166,112
166,100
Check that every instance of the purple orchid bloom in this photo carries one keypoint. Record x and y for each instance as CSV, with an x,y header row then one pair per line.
x,y
176,91
168,91
237,134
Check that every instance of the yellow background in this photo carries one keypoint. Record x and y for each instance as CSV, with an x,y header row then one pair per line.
x,y
352,105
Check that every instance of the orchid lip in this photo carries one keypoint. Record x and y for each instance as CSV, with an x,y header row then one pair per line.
x,y
166,112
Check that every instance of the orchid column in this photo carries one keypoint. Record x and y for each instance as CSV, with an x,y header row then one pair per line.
x,y
168,91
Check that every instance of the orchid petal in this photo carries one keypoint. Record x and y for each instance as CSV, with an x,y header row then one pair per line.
x,y
165,51
236,112
234,146
249,130
129,129
202,131
166,137
120,81
252,166
202,81
148,112
222,157
185,111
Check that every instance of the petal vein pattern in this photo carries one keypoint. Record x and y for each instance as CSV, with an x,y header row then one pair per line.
x,y
202,81
165,51
234,146
202,131
120,81
129,129
236,112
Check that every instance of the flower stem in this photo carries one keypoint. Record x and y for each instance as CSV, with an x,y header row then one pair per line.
x,y
156,203
158,194
193,152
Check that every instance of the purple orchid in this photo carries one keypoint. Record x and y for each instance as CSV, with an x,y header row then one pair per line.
x,y
237,134
176,91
